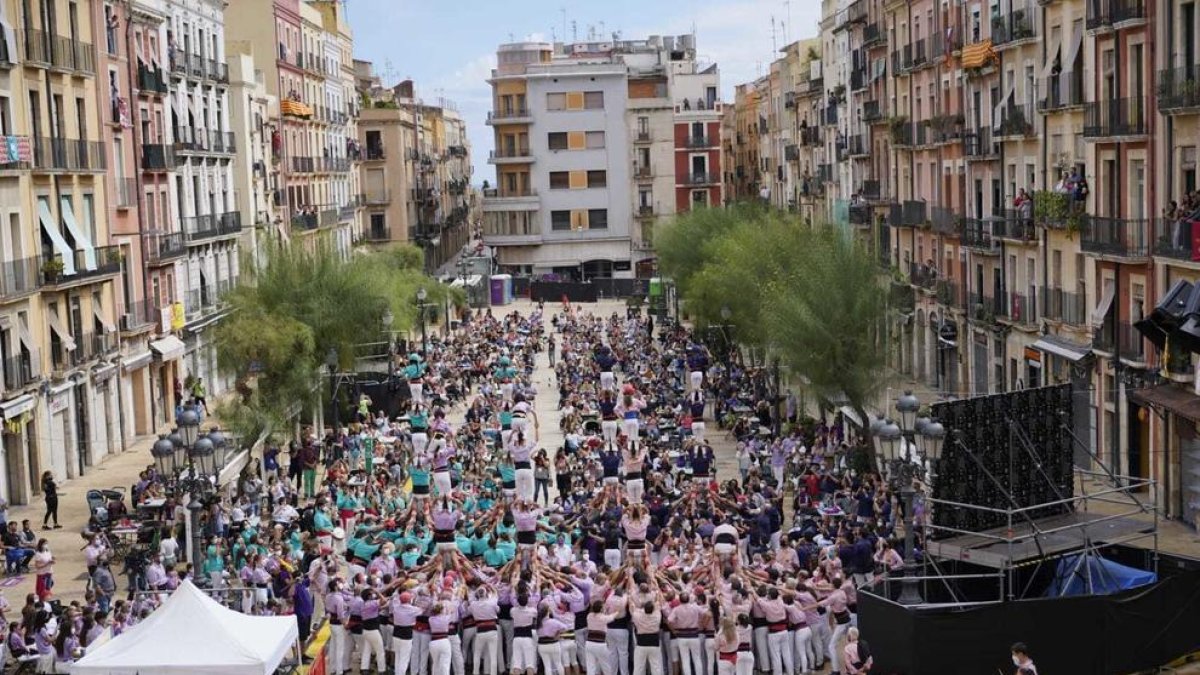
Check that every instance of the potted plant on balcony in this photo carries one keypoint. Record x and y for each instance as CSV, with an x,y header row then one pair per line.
x,y
896,127
53,268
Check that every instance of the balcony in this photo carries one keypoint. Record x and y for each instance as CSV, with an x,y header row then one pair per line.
x,y
209,226
829,115
1014,29
1180,367
978,145
643,172
375,153
873,35
1013,226
901,132
223,142
872,111
858,146
858,80
18,277
860,214
810,136
305,222
1022,309
909,214
1107,14
22,370
65,154
699,142
510,155
1115,118
825,173
986,308
945,221
151,80
922,275
1179,90
1173,239
1062,91
791,153
378,198
870,190
156,157
702,178
644,211
919,56
855,13
303,165
902,60
949,292
1116,237
1133,344
1069,308
108,261
642,136
977,235
133,316
510,116
164,246
217,71
57,51
492,194
1016,122
124,192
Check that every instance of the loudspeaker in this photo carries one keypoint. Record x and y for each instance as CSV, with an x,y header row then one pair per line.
x,y
1169,314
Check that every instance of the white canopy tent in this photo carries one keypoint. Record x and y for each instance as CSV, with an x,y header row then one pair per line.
x,y
192,634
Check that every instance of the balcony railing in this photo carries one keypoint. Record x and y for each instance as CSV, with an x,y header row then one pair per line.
x,y
157,157
872,34
1022,308
508,114
303,165
21,276
165,246
1173,239
870,190
699,141
1012,225
21,370
702,177
305,221
1017,25
108,261
949,292
66,154
376,153
857,146
978,144
151,80
810,136
1179,88
977,234
871,111
124,192
223,142
919,55
1016,120
1064,90
510,153
922,275
944,221
59,51
377,197
1105,13
1115,117
1060,305
1117,237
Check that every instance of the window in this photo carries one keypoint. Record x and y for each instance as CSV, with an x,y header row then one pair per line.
x,y
597,219
560,220
595,140
597,179
560,180
557,140
593,100
556,101
699,197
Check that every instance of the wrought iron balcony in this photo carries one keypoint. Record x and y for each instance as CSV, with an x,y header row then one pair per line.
x,y
1116,237
1179,89
1115,117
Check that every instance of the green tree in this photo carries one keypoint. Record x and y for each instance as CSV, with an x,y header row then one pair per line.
x,y
685,245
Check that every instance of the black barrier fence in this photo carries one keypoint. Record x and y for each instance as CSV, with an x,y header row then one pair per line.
x,y
589,291
1131,631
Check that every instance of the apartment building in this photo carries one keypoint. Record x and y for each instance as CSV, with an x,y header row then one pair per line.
x,y
579,187
255,169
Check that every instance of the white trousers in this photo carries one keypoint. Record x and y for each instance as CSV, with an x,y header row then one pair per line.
x,y
609,430
636,487
441,482
612,557
617,641
372,643
403,649
525,484
524,655
802,648
690,659
647,656
456,654
551,654
439,652
420,441
487,644
835,649
416,391
335,660
695,379
780,649
597,659
608,381
519,424
821,633
630,427
419,662
698,431
745,663
568,651
506,390
759,645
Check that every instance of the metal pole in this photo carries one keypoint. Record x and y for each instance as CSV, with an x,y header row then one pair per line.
x,y
194,508
424,337
909,595
333,403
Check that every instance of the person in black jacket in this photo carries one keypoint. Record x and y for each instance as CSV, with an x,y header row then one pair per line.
x,y
50,492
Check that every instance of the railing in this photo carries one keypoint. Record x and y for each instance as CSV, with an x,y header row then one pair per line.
x,y
986,307
59,51
1064,90
902,59
1179,363
1120,237
1179,88
1173,238
870,190
1103,13
810,136
65,154
944,221
872,34
902,135
21,370
1022,308
919,57
644,210
164,246
1017,25
305,221
224,142
1016,120
1133,344
921,133
507,114
132,315
510,153
379,197
1069,308
825,173
303,165
979,144
860,214
1014,226
376,153
218,71
699,141
157,157
977,234
124,192
20,276
151,79
922,275
701,177
871,111
949,292
1115,117
195,65
108,261
830,115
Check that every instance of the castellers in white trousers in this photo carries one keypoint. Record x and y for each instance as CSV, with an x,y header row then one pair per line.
x,y
598,661
551,654
416,390
691,661
835,648
419,661
617,641
608,381
698,431
486,652
456,654
403,648
372,643
802,649
337,658
647,656
439,653
525,484
780,649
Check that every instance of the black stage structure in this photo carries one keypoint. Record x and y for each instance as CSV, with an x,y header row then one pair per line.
x,y
1005,508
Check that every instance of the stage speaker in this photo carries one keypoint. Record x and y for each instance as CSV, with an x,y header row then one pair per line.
x,y
1169,314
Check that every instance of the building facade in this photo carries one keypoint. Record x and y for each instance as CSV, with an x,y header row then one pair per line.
x,y
579,187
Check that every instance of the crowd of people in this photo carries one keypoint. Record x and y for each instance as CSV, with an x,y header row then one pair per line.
x,y
454,538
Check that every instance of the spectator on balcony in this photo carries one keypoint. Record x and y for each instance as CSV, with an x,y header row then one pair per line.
x,y
1062,187
1079,187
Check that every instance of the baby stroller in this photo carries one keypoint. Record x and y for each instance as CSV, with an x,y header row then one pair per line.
x,y
98,503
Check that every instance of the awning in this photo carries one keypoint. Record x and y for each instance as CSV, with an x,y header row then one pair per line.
x,y
82,239
1052,56
169,348
137,360
17,406
57,326
1175,399
1106,301
99,314
104,373
60,243
1076,45
1060,347
10,39
851,415
978,55
998,113
25,337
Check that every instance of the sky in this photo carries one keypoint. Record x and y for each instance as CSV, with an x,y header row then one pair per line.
x,y
450,53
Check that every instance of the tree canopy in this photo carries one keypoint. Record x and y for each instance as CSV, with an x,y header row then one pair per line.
x,y
809,295
297,306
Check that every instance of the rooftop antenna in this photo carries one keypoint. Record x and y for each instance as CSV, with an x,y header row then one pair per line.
x,y
787,4
564,17
774,45
574,31
601,33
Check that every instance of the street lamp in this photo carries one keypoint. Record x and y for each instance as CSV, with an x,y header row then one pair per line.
x,y
422,294
726,315
901,448
331,361
192,463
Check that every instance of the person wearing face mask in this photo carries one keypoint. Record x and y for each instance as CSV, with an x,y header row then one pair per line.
x,y
336,610
1020,659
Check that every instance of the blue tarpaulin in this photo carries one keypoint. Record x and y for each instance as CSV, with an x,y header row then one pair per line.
x,y
1090,574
